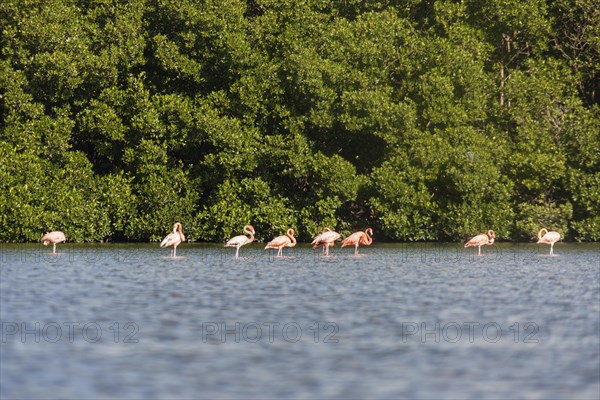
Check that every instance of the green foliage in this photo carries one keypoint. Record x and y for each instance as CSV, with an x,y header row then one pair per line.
x,y
588,229
404,208
39,196
532,217
248,202
586,198
424,120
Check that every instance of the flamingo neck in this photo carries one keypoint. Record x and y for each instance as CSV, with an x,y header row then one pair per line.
x,y
540,234
290,234
177,228
250,232
368,234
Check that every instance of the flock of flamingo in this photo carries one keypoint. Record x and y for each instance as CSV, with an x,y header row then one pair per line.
x,y
324,240
488,239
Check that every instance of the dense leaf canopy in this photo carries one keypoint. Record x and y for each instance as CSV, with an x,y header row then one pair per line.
x,y
426,120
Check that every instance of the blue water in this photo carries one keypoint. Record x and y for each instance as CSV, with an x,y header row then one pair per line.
x,y
416,321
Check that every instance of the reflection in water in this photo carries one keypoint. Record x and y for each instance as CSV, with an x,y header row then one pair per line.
x,y
395,321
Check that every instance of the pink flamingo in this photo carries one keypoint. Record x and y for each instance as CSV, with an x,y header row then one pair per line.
x,y
239,241
174,238
288,240
548,237
54,237
365,238
325,239
481,240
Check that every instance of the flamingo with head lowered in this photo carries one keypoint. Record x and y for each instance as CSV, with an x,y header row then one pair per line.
x,y
548,237
365,238
54,237
482,240
239,241
325,239
174,238
288,240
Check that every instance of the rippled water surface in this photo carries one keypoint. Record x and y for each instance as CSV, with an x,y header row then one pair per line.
x,y
397,321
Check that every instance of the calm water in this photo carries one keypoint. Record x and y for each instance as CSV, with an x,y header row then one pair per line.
x,y
398,321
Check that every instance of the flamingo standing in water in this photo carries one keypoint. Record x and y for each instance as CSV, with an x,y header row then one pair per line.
x,y
54,237
365,238
174,238
239,241
288,240
548,237
481,240
325,239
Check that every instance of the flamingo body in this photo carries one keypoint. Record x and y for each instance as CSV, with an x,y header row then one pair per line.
x,y
287,240
174,238
325,239
548,237
239,241
54,237
482,240
365,238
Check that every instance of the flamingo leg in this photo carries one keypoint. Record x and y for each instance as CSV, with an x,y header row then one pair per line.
x,y
280,252
551,249
356,249
479,248
53,248
237,251
174,251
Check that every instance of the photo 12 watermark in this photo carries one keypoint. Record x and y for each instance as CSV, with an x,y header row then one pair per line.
x,y
53,332
469,332
89,253
269,332
400,253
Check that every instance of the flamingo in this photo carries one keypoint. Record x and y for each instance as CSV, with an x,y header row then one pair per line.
x,y
325,239
239,241
364,238
481,240
548,237
288,240
174,238
54,237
